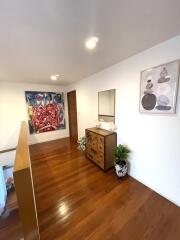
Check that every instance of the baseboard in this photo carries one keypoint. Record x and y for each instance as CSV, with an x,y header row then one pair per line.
x,y
155,190
47,140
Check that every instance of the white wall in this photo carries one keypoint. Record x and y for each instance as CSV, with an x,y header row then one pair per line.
x,y
13,111
7,158
153,139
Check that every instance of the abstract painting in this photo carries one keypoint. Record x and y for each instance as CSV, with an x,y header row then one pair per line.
x,y
158,89
45,111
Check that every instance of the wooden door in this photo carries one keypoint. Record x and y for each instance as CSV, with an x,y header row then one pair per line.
x,y
72,110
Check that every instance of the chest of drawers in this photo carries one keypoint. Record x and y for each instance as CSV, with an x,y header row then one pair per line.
x,y
100,147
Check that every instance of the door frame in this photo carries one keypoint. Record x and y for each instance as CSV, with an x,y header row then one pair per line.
x,y
69,120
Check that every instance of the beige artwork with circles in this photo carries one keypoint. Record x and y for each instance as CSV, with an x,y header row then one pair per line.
x,y
158,89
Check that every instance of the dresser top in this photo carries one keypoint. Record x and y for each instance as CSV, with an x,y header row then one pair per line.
x,y
100,131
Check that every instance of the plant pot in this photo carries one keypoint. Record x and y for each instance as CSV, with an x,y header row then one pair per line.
x,y
121,169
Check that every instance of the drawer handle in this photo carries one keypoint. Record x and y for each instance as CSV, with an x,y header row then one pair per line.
x,y
94,151
89,155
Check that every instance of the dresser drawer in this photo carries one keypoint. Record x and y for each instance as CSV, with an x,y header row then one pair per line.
x,y
99,161
101,144
95,158
100,157
91,153
92,141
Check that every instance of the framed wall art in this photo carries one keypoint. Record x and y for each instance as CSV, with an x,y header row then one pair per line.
x,y
158,89
45,111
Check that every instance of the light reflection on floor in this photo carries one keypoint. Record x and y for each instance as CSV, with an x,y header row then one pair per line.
x,y
63,210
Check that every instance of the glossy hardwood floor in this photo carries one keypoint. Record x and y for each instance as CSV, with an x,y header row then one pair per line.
x,y
77,200
10,228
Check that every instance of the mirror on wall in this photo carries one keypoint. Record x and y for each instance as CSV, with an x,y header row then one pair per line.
x,y
106,105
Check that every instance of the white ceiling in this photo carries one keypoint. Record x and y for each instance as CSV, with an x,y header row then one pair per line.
x,y
39,38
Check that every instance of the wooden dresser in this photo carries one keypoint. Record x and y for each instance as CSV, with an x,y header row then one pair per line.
x,y
100,147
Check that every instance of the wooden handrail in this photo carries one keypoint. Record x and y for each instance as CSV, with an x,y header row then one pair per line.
x,y
22,159
24,187
7,150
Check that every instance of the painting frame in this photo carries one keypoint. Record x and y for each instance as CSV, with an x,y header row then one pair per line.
x,y
164,105
45,111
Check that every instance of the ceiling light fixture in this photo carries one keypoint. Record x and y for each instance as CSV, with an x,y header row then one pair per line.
x,y
91,43
55,77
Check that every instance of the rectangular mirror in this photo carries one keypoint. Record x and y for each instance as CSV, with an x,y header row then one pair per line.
x,y
106,105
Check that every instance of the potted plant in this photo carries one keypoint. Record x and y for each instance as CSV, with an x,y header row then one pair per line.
x,y
121,154
82,144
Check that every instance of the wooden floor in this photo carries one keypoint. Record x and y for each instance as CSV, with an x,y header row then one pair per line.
x,y
76,200
10,228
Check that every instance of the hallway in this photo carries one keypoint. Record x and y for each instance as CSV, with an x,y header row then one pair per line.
x,y
77,200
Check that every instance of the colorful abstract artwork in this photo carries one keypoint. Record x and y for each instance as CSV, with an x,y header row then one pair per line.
x,y
158,89
45,111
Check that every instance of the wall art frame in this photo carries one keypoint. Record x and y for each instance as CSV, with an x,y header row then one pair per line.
x,y
45,111
158,89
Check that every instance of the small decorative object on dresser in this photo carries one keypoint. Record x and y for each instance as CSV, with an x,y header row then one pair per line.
x,y
121,153
100,146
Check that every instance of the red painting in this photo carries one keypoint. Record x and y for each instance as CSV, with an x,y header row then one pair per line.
x,y
45,111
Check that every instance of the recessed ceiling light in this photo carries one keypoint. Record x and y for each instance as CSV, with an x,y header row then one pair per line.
x,y
91,43
55,77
